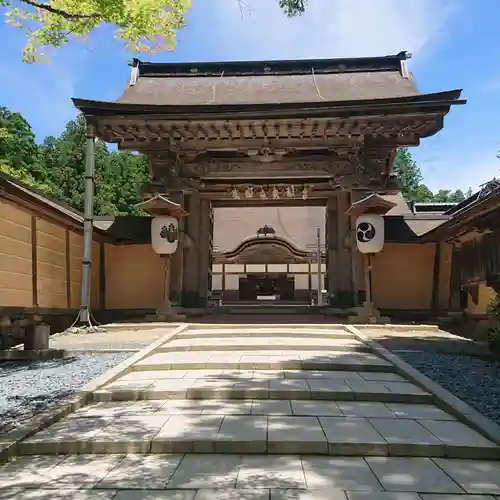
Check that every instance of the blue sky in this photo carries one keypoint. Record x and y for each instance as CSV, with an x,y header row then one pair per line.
x,y
455,44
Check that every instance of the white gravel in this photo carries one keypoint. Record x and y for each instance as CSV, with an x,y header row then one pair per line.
x,y
27,387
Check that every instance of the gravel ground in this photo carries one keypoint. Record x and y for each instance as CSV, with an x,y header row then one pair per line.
x,y
474,380
27,387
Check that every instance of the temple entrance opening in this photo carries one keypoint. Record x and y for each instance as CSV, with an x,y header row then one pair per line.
x,y
268,254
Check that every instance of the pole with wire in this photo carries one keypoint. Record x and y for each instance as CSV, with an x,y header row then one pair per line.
x,y
84,320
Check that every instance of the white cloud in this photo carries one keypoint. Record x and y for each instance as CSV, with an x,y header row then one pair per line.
x,y
332,28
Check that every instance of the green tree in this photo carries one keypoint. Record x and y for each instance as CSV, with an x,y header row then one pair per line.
x,y
143,25
18,150
447,196
410,177
119,176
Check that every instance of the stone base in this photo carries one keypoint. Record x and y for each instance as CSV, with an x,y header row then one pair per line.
x,y
37,337
33,355
363,319
166,317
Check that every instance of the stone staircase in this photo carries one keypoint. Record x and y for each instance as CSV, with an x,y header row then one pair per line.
x,y
270,395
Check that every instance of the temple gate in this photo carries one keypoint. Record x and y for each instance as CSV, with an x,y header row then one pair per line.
x,y
277,133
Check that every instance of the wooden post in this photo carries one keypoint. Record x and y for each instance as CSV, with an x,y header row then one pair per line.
x,y
368,285
34,257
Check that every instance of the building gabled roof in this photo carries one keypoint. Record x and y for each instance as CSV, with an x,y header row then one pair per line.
x,y
266,82
320,84
473,211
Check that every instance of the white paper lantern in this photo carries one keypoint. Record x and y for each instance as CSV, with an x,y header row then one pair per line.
x,y
164,234
370,233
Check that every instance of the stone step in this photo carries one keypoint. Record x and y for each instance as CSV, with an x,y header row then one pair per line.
x,y
247,477
186,432
258,343
256,331
256,360
348,389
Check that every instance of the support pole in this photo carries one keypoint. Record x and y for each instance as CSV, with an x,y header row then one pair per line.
x,y
318,258
84,318
368,285
166,307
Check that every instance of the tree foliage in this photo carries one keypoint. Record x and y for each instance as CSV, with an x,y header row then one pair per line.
x,y
411,179
143,25
57,166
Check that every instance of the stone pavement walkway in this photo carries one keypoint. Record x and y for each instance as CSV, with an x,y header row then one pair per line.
x,y
258,412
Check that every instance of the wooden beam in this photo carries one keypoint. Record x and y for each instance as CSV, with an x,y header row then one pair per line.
x,y
34,257
68,270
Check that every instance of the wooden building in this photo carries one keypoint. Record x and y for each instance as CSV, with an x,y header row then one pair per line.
x,y
310,134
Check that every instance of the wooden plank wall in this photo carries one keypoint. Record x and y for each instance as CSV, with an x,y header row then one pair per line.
x,y
16,283
41,262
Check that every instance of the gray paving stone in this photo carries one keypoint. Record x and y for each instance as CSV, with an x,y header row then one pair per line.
x,y
59,494
295,435
206,471
474,476
457,497
308,495
407,437
330,389
70,429
187,433
420,475
271,407
118,408
82,470
316,408
232,494
368,387
347,473
226,406
27,472
290,387
382,376
132,428
242,434
250,389
152,375
322,374
382,495
352,436
155,495
404,388
182,406
141,472
458,435
365,409
271,472
419,411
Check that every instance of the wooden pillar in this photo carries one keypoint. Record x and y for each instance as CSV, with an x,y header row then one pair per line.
x,y
34,266
331,247
339,251
204,251
190,285
68,270
223,285
435,277
358,263
177,260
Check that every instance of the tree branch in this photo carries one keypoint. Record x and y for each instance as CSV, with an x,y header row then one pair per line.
x,y
59,12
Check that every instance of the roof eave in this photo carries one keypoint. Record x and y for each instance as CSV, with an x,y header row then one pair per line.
x,y
441,101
